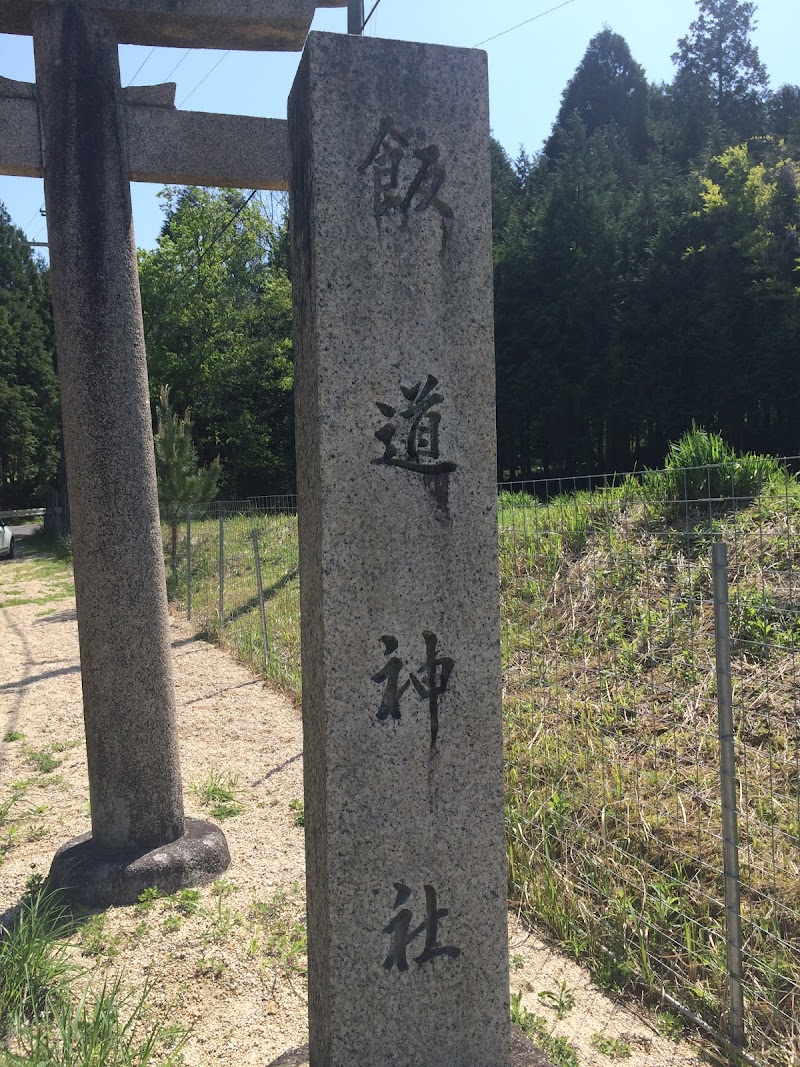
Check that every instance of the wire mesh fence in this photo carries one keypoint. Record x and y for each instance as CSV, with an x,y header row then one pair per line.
x,y
615,753
233,567
652,753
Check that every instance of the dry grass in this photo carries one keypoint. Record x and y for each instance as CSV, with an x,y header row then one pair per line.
x,y
613,798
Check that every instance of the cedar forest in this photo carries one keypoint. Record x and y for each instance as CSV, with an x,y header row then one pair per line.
x,y
647,277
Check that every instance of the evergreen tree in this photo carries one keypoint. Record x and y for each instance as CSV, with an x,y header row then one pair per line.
x,y
720,80
783,116
609,87
182,484
29,410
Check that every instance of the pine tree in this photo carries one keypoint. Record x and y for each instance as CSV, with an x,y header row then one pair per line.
x,y
182,484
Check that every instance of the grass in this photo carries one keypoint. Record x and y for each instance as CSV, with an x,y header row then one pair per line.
x,y
297,808
612,757
616,1048
612,782
36,562
561,999
238,627
278,935
43,761
109,1027
219,793
34,968
50,1016
560,1051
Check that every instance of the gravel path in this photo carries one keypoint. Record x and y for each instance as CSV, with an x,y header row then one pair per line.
x,y
229,963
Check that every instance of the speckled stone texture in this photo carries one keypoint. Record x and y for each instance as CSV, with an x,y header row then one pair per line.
x,y
96,878
164,144
129,703
275,25
391,222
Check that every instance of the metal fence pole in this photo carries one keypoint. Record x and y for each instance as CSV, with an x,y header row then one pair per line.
x,y
221,572
188,564
261,599
727,767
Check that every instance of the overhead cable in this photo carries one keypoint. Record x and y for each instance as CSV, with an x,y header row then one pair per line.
x,y
518,26
205,77
185,54
369,16
138,72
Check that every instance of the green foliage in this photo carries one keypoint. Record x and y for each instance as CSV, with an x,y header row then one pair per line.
x,y
108,1027
561,999
719,71
217,311
279,935
608,88
29,418
182,485
219,792
44,761
34,969
702,467
616,1048
96,939
298,811
559,1051
646,263
611,747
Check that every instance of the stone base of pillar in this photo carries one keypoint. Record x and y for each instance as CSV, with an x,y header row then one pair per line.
x,y
524,1053
97,877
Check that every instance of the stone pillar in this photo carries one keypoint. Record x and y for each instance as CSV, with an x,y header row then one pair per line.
x,y
391,223
128,691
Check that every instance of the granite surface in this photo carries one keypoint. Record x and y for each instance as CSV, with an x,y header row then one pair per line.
x,y
98,878
163,143
268,25
392,271
20,147
197,148
126,670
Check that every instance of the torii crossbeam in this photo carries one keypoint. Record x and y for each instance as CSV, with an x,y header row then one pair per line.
x,y
87,138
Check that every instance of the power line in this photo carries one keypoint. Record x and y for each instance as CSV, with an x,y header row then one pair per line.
x,y
541,15
185,54
217,237
208,75
369,16
33,216
138,72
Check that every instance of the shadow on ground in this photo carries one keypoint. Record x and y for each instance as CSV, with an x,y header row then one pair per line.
x,y
295,1057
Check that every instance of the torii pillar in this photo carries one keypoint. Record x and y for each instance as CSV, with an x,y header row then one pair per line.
x,y
87,142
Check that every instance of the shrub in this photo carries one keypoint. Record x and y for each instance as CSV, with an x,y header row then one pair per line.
x,y
701,466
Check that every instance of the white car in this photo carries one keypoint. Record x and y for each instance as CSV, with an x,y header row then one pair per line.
x,y
6,540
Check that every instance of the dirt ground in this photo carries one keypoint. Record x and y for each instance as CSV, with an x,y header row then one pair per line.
x,y
228,962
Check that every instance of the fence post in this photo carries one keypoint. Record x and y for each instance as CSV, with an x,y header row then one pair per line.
x,y
189,564
221,572
727,767
261,599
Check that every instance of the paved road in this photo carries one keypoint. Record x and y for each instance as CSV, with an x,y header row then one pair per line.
x,y
25,530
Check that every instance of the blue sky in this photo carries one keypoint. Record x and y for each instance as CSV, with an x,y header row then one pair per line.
x,y
528,67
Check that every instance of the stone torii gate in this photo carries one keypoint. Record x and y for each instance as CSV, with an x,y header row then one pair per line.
x,y
87,137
